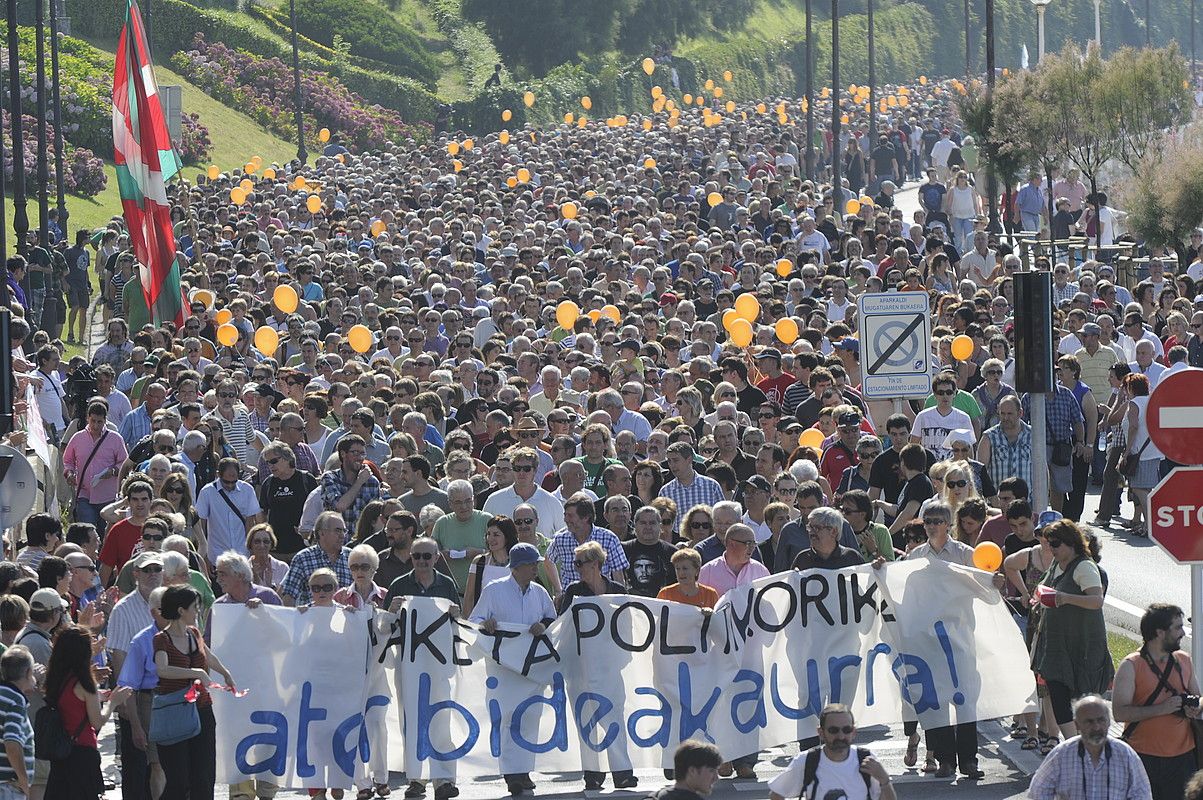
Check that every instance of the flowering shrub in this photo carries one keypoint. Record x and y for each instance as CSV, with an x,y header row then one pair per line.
x,y
83,172
194,145
263,89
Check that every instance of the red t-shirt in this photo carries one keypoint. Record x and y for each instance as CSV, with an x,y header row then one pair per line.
x,y
774,388
119,543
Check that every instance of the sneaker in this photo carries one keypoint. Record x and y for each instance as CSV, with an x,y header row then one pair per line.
x,y
627,782
446,790
415,789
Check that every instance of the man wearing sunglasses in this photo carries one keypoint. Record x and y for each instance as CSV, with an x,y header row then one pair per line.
x,y
932,425
827,770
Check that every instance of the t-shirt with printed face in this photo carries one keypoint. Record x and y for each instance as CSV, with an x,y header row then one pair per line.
x,y
651,566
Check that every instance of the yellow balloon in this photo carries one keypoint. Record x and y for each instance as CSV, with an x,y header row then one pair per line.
x,y
761,108
729,317
718,91
987,556
727,76
223,316
594,316
237,196
569,118
713,199
203,296
656,92
249,168
811,437
267,340
709,84
313,203
360,338
378,227
511,181
649,163
786,330
524,175
507,115
323,135
784,267
649,66
647,126
286,299
852,207
528,99
452,148
504,137
213,172
730,106
844,119
611,311
246,185
700,100
747,306
687,99
586,102
457,165
227,335
741,333
569,211
580,123
962,347
923,80
567,313
269,173
299,184
257,161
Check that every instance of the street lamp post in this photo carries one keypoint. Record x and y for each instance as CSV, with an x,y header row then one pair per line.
x,y
810,99
56,101
39,25
1040,5
837,189
991,178
1148,24
302,154
968,64
20,215
873,81
1098,23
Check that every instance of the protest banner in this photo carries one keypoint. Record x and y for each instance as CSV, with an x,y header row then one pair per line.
x,y
616,682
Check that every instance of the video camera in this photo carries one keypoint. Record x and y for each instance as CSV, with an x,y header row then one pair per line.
x,y
80,386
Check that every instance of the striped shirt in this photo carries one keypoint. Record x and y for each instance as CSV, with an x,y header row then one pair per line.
x,y
702,492
563,548
238,432
14,722
1070,773
1007,459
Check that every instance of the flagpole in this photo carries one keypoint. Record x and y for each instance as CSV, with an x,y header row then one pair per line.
x,y
20,214
56,100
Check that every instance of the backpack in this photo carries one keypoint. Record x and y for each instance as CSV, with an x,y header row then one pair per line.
x,y
810,770
50,739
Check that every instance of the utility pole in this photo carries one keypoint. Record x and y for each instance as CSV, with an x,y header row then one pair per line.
x,y
991,178
20,214
56,100
39,25
810,98
302,154
837,189
968,45
873,82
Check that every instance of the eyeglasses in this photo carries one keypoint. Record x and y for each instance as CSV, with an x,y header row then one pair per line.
x,y
956,484
528,434
153,537
422,556
847,730
744,542
700,524
578,563
524,521
709,451
990,372
845,510
361,567
88,567
945,393
321,588
935,522
868,455
524,468
228,395
151,569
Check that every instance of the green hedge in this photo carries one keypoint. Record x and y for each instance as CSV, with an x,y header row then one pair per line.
x,y
175,22
279,24
471,44
370,32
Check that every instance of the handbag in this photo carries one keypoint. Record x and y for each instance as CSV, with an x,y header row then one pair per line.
x,y
1062,454
1131,462
50,739
173,717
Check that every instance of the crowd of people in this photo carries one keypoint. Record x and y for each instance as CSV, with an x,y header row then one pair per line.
x,y
518,371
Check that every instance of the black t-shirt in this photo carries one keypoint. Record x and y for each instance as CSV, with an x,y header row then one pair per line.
x,y
918,488
840,558
284,501
750,398
883,158
1013,544
651,566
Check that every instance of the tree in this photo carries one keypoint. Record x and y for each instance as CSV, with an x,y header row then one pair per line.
x,y
1164,195
1145,92
977,113
1027,124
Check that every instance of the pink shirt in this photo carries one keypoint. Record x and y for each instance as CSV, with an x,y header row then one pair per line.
x,y
718,574
347,596
111,454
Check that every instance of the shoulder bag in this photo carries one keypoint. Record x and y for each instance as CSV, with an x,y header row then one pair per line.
x,y
174,717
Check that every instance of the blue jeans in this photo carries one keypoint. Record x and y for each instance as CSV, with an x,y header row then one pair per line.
x,y
89,512
962,233
1031,222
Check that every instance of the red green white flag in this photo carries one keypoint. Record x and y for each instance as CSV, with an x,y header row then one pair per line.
x,y
145,160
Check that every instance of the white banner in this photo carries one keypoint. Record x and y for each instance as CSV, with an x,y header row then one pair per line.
x,y
615,682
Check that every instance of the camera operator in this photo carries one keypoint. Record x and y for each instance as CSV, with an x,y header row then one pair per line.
x,y
1155,691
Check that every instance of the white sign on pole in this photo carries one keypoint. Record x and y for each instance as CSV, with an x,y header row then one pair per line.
x,y
895,343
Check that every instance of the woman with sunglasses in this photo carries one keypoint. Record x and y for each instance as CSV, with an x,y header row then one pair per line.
x,y
363,591
697,525
872,538
1070,646
589,560
500,536
856,476
266,570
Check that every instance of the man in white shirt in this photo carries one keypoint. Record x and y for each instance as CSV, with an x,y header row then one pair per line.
x,y
940,151
524,490
932,425
1145,365
809,238
829,771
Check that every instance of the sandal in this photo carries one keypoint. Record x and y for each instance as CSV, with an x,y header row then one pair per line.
x,y
1030,743
912,750
383,790
929,764
1048,743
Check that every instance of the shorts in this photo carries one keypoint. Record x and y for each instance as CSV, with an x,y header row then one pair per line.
x,y
1061,479
78,296
1147,474
41,772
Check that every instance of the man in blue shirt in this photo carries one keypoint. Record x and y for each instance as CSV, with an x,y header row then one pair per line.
x,y
1032,203
141,775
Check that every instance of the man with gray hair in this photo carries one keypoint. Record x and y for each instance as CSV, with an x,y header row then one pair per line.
x,y
461,534
192,450
1093,763
621,417
16,681
823,529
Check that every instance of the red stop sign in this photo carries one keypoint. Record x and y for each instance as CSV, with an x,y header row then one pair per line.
x,y
1175,416
1176,514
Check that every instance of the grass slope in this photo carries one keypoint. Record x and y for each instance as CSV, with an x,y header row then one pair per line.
x,y
236,138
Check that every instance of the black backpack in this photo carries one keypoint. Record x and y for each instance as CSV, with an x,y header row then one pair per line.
x,y
810,770
50,739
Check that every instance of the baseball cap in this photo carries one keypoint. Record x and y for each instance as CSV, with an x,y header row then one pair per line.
x,y
849,419
509,251
1047,518
755,482
849,344
667,297
147,558
523,553
46,600
769,352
